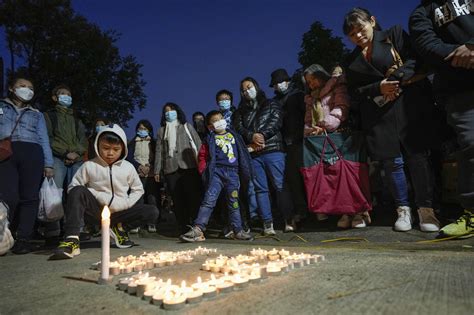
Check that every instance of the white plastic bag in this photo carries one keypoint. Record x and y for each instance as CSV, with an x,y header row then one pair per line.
x,y
6,239
51,201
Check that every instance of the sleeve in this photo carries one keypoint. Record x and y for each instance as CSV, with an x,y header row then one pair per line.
x,y
203,156
81,138
308,120
131,152
274,121
81,178
340,108
195,136
246,134
136,188
44,141
158,152
425,40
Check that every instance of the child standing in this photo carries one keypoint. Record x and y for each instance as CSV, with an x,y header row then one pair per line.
x,y
221,161
107,180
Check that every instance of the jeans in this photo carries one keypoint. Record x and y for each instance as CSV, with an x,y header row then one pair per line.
x,y
273,166
460,110
82,204
252,200
226,178
397,182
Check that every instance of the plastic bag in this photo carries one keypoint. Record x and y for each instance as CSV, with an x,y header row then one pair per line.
x,y
6,239
51,201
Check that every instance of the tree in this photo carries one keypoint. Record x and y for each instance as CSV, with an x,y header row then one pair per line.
x,y
56,45
321,47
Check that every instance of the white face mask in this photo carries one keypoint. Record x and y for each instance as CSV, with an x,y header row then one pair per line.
x,y
282,87
24,93
220,125
251,93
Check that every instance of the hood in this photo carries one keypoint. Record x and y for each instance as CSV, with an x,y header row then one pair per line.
x,y
116,129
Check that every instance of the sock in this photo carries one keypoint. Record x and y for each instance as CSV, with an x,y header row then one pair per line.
x,y
73,236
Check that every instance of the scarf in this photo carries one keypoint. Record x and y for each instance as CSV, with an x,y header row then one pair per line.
x,y
317,114
170,136
142,150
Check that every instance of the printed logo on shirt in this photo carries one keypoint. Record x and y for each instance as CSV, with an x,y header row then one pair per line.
x,y
225,142
450,11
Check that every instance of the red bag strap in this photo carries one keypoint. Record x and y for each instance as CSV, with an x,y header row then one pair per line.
x,y
331,143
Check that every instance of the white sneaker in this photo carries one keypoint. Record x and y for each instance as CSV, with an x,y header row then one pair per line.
x,y
268,229
404,220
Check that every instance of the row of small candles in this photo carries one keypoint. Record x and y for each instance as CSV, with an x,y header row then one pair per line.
x,y
243,271
150,260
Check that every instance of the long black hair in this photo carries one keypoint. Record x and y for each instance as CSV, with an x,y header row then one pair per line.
x,y
261,97
147,124
354,17
179,111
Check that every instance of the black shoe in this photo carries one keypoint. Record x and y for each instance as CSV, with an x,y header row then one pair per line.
x,y
52,242
195,234
22,247
120,238
67,249
84,236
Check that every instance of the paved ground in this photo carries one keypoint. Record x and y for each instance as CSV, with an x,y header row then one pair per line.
x,y
380,272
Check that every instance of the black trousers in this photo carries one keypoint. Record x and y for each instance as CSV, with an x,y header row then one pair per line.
x,y
81,203
294,183
20,180
185,187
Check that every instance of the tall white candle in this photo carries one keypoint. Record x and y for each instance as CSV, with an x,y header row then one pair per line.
x,y
104,273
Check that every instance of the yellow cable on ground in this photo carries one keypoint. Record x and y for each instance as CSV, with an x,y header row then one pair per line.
x,y
342,239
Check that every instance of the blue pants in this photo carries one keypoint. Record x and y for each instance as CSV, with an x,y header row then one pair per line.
x,y
460,110
273,166
252,199
226,178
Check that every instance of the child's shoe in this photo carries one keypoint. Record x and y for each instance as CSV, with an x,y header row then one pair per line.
x,y
67,249
22,247
195,234
344,222
268,229
428,220
361,220
404,220
134,231
243,236
151,228
120,237
464,226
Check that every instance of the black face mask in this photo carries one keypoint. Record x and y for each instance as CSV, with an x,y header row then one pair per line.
x,y
199,125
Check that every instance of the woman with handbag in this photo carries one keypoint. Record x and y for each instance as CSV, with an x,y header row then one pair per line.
x,y
25,158
177,145
327,108
394,106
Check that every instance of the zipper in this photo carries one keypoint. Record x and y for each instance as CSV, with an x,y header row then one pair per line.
x,y
112,186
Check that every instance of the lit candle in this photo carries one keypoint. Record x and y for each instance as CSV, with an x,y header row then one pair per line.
x,y
225,286
114,268
240,282
104,265
174,301
194,297
123,284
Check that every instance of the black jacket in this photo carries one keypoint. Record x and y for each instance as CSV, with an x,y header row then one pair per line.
x,y
294,109
437,28
405,122
266,118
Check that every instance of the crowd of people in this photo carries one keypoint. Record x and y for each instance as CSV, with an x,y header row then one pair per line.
x,y
245,160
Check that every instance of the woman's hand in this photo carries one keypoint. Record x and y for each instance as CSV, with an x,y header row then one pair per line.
x,y
48,172
258,139
389,88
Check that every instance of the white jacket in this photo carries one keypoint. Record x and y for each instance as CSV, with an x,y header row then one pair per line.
x,y
110,184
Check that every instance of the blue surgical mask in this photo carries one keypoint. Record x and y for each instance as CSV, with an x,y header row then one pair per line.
x,y
143,133
251,93
224,104
65,100
99,128
170,116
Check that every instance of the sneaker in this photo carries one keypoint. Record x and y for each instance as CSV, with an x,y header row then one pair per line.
x,y
344,222
120,237
134,231
151,228
361,220
321,217
195,234
428,220
404,220
243,236
22,247
290,226
229,235
67,249
268,229
463,226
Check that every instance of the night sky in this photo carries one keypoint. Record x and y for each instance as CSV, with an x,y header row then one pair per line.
x,y
191,49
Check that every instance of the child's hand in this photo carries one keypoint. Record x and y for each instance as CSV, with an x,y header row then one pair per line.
x,y
157,178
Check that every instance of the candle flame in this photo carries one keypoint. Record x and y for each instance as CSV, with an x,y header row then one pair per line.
x,y
199,280
105,213
183,284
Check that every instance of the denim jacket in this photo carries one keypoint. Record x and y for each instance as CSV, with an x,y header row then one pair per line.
x,y
31,128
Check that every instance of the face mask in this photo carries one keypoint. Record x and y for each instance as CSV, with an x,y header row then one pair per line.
x,y
224,104
220,125
143,133
251,93
282,87
24,93
170,116
65,100
98,128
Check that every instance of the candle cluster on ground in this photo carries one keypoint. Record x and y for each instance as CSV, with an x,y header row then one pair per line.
x,y
147,261
233,273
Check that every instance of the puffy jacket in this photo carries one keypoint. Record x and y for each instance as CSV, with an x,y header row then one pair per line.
x,y
266,118
293,106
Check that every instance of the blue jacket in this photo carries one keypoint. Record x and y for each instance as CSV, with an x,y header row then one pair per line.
x,y
31,128
245,166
